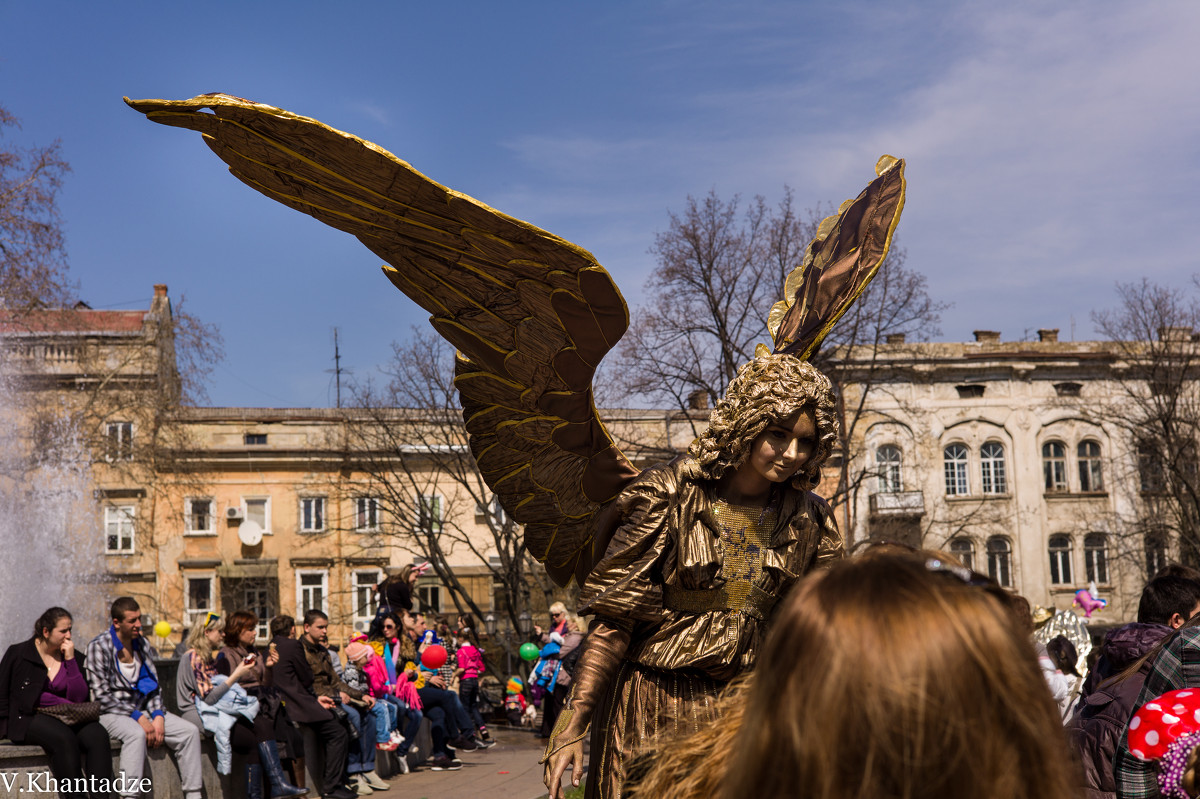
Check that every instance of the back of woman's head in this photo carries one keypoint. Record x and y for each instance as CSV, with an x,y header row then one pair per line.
x,y
1063,654
891,676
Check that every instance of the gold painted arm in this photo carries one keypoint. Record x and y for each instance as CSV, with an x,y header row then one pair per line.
x,y
593,678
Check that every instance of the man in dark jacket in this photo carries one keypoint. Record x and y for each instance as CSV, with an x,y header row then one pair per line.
x,y
293,678
1167,602
328,683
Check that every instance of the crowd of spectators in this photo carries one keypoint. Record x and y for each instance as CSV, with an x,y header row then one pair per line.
x,y
254,702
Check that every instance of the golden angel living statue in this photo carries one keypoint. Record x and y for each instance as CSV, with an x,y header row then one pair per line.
x,y
680,565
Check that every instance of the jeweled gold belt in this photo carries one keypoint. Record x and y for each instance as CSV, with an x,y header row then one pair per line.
x,y
757,604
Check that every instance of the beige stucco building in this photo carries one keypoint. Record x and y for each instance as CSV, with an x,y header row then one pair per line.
x,y
1006,454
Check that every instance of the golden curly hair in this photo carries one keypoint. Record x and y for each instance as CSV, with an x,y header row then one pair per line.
x,y
768,389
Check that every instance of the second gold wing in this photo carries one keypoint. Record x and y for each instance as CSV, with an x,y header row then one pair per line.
x,y
531,314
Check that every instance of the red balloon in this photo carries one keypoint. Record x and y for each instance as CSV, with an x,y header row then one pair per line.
x,y
434,657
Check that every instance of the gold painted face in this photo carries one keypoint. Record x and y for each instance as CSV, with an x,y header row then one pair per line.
x,y
784,447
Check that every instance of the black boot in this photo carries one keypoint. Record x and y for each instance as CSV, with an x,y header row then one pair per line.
x,y
269,754
254,781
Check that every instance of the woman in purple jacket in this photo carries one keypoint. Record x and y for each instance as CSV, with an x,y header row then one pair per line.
x,y
46,671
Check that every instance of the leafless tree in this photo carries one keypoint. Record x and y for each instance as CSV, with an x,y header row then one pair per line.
x,y
1156,410
33,258
408,438
719,271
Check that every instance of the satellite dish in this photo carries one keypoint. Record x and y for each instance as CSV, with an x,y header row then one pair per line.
x,y
250,533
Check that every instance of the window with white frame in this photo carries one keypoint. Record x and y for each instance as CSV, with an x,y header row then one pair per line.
x,y
258,601
198,515
312,514
1091,472
366,514
1054,466
364,598
258,509
198,597
887,466
991,467
312,591
430,597
493,512
1095,557
119,528
118,441
1060,559
964,550
954,457
429,513
999,557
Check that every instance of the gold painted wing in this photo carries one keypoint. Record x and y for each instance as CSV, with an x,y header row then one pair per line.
x,y
840,261
530,314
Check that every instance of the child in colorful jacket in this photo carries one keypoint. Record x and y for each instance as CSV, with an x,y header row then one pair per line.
x,y
397,708
469,669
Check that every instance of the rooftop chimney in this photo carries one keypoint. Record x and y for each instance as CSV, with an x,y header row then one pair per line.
x,y
160,289
1048,335
895,338
992,336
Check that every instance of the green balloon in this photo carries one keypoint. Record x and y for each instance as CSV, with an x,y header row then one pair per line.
x,y
529,651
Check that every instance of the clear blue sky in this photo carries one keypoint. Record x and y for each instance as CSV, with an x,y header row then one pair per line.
x,y
1053,146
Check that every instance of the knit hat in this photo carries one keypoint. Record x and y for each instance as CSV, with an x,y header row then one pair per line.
x,y
358,638
358,651
514,686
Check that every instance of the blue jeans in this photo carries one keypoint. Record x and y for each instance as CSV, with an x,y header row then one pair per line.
x,y
384,714
457,722
362,751
408,721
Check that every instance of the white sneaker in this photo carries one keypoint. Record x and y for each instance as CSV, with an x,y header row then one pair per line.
x,y
402,765
361,786
396,737
372,780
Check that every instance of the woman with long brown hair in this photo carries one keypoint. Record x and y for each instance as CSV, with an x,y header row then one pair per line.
x,y
892,675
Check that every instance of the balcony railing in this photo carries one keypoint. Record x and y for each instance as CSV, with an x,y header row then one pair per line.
x,y
898,503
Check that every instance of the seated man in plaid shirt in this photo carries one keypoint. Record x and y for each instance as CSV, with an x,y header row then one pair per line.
x,y
123,680
1176,666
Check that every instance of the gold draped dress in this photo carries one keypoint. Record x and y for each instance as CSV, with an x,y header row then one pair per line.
x,y
681,600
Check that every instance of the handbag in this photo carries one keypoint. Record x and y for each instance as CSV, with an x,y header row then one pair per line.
x,y
73,713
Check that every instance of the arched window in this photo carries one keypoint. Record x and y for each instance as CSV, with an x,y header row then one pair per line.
x,y
887,464
1095,557
1054,465
991,466
999,555
1155,545
1091,474
955,459
964,550
1060,559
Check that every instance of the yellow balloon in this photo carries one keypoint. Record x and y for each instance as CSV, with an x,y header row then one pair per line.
x,y
162,629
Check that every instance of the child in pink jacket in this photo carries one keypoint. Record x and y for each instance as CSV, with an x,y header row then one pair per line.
x,y
470,669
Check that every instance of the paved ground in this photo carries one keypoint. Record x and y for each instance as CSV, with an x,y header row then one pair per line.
x,y
509,770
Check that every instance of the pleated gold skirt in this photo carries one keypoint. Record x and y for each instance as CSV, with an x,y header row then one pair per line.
x,y
645,706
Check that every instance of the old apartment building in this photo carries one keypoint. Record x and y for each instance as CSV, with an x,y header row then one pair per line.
x,y
1011,455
